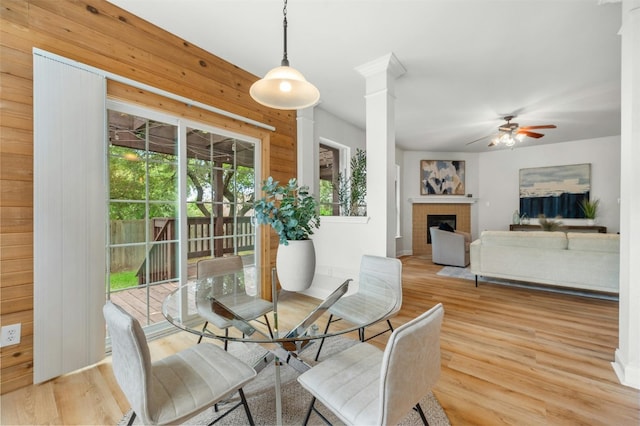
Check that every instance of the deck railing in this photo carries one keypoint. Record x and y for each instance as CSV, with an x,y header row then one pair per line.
x,y
204,239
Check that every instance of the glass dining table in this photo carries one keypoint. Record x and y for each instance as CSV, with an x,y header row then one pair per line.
x,y
232,307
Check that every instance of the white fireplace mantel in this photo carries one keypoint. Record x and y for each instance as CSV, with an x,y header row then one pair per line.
x,y
443,199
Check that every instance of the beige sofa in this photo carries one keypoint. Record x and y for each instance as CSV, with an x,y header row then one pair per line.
x,y
586,261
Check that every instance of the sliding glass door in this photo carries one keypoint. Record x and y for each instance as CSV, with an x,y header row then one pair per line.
x,y
221,186
178,192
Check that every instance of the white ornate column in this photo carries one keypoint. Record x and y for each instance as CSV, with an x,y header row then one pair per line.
x,y
627,358
308,147
380,76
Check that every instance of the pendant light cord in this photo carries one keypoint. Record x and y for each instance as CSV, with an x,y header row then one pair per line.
x,y
285,60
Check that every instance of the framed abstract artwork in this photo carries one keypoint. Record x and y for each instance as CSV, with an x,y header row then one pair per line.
x,y
554,191
442,177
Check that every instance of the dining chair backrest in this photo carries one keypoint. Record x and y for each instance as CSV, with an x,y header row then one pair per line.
x,y
218,265
387,270
410,365
131,359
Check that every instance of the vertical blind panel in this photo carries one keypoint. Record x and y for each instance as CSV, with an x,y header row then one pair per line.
x,y
69,217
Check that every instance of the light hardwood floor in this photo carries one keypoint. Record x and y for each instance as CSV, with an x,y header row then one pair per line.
x,y
509,356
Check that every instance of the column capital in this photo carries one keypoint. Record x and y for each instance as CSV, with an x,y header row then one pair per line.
x,y
388,64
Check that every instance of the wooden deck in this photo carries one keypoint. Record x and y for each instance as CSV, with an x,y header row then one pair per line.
x,y
134,301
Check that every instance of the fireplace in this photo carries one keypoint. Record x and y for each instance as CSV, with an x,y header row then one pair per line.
x,y
437,219
460,208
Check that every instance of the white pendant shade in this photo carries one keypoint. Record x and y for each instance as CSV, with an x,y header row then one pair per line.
x,y
284,88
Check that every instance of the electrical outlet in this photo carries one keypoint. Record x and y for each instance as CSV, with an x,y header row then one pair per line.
x,y
10,335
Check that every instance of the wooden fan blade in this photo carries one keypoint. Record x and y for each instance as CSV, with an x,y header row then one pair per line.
x,y
543,126
530,134
477,140
492,143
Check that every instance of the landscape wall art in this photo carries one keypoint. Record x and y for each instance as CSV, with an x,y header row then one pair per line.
x,y
554,191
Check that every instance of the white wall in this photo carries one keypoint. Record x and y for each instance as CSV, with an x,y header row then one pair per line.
x,y
499,179
340,242
328,126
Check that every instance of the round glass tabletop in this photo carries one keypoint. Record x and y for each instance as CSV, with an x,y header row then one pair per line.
x,y
227,306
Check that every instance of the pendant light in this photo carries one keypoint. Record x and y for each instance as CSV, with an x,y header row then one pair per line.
x,y
284,87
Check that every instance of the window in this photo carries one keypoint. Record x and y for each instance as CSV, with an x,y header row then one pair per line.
x,y
398,202
329,161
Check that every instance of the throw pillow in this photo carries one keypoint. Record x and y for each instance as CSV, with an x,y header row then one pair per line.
x,y
445,227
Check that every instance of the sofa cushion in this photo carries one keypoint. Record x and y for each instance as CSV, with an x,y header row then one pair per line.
x,y
608,243
529,239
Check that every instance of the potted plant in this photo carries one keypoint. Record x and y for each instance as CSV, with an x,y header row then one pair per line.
x,y
352,190
590,209
293,213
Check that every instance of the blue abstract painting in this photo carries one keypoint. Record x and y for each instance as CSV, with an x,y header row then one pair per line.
x,y
554,191
441,177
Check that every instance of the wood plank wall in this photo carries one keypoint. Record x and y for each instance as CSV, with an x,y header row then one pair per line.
x,y
100,34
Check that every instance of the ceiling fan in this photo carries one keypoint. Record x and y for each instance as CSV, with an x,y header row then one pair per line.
x,y
509,133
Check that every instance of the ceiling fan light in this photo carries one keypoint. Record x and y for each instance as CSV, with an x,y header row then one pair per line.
x,y
507,139
284,88
520,137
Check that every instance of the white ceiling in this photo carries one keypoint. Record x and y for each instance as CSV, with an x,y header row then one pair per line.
x,y
469,62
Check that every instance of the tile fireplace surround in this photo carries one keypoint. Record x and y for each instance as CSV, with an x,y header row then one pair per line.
x,y
462,211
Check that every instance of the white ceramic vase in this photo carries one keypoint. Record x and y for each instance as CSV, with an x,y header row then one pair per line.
x,y
296,264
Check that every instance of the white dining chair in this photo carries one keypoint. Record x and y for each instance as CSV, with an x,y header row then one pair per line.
x,y
377,275
363,385
178,387
248,307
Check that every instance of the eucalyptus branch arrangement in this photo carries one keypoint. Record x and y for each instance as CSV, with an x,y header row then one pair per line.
x,y
290,210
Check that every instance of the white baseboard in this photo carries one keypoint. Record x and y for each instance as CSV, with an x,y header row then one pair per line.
x,y
628,375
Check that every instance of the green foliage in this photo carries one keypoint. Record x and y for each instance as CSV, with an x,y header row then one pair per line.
x,y
589,208
123,279
289,209
352,190
549,224
128,168
326,198
128,184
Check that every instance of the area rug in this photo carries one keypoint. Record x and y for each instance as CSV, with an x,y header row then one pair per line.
x,y
465,274
260,394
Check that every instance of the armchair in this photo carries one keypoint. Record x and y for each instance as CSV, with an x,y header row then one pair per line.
x,y
450,248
